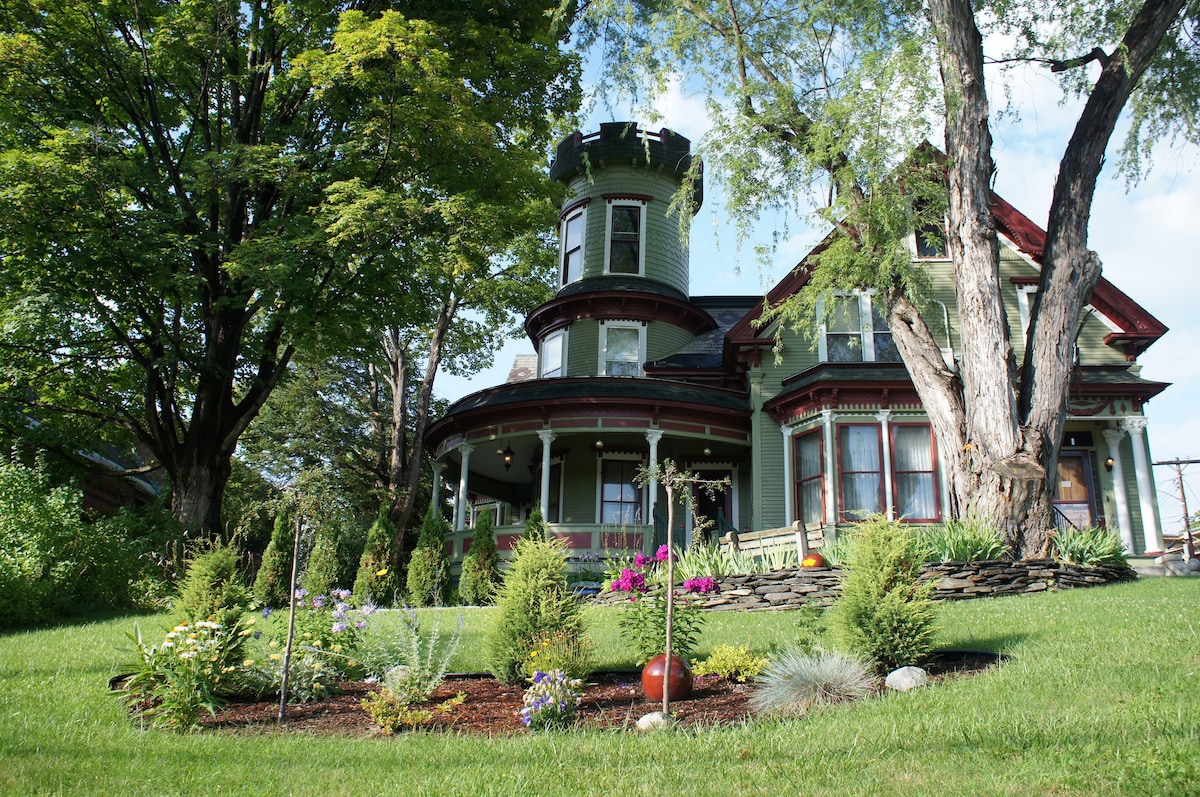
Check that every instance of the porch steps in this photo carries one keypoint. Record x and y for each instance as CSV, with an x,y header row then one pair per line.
x,y
1161,565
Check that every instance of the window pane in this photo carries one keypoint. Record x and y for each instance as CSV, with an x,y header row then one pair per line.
x,y
552,356
860,448
912,453
885,348
915,496
622,351
912,448
861,476
843,315
620,497
843,348
808,455
625,246
860,495
810,502
931,241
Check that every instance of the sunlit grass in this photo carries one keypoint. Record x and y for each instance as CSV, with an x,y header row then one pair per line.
x,y
1102,696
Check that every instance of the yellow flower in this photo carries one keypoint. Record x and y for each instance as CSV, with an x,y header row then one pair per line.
x,y
533,654
276,656
248,663
381,573
337,648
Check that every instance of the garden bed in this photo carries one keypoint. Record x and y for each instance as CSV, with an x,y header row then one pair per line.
x,y
610,701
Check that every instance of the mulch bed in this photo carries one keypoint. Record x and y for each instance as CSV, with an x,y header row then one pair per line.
x,y
613,701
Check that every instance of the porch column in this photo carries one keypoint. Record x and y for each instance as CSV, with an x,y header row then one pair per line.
x,y
1120,495
789,488
460,500
889,497
652,437
831,517
547,437
1151,534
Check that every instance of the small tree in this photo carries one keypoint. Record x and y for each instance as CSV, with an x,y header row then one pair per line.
x,y
429,569
324,569
533,603
376,580
213,588
480,567
535,527
275,573
885,613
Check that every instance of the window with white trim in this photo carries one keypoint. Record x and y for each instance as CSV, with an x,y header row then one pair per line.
x,y
624,247
574,226
810,477
552,356
620,494
855,330
860,471
914,472
622,348
1025,297
930,243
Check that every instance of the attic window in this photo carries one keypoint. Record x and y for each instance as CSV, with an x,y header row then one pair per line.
x,y
931,242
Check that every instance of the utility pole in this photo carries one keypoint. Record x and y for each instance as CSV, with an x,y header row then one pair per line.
x,y
1189,551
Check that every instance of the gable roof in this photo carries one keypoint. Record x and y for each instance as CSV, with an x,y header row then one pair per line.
x,y
1137,328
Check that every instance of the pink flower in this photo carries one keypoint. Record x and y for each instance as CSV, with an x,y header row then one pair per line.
x,y
664,553
629,581
702,586
640,560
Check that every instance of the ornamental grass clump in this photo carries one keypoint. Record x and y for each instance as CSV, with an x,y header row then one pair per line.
x,y
967,539
795,682
1088,547
535,600
884,614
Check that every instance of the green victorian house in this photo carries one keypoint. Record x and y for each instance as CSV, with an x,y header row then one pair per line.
x,y
633,367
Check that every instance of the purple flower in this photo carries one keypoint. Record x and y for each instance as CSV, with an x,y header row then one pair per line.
x,y
361,624
640,560
300,593
369,609
318,601
703,586
664,553
342,594
266,612
339,627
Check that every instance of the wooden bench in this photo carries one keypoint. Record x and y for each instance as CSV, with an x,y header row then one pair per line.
x,y
756,543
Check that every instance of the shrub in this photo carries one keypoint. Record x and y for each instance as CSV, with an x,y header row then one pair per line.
x,y
310,677
884,613
173,682
390,713
644,621
535,527
376,579
534,600
323,571
962,540
550,701
324,627
429,569
480,567
730,661
424,657
274,579
213,589
795,682
1088,547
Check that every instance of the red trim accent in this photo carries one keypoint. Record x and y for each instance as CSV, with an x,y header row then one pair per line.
x,y
625,305
572,207
645,199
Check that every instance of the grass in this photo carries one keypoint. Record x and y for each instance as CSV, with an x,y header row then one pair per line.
x,y
1102,697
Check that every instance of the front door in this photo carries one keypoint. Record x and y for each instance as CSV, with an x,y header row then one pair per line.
x,y
716,509
1073,490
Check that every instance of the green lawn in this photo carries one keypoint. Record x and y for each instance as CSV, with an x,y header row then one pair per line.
x,y
1102,697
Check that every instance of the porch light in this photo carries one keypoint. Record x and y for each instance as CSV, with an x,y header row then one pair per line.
x,y
1108,464
599,445
508,455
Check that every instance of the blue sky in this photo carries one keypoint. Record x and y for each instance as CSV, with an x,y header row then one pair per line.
x,y
1147,237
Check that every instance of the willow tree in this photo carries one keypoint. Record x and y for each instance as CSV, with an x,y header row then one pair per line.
x,y
827,104
194,192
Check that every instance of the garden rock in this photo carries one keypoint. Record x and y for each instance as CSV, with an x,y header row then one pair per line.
x,y
906,678
654,721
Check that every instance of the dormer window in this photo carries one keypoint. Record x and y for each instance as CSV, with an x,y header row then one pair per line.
x,y
855,330
573,227
626,250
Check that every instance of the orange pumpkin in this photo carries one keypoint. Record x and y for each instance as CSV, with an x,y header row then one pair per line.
x,y
813,560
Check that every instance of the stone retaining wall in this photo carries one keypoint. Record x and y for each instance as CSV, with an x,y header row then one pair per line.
x,y
791,589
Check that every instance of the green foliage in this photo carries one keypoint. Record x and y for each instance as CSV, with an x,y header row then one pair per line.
x,y
795,682
535,527
416,661
376,579
323,571
1089,547
310,678
53,562
569,652
173,682
962,540
429,568
884,614
212,589
730,661
390,713
480,567
534,600
644,622
274,579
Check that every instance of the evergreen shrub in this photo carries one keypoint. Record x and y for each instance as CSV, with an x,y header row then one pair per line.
x,y
884,614
376,579
534,601
323,572
273,582
480,567
429,569
213,590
